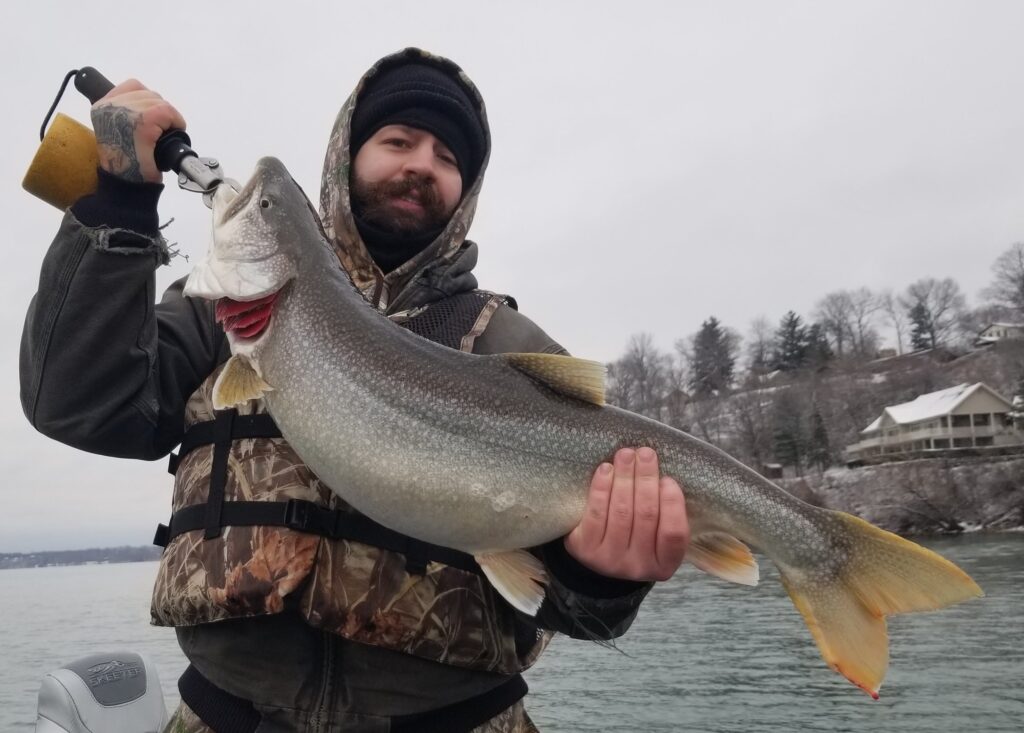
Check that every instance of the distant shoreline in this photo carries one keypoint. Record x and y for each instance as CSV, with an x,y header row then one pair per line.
x,y
92,556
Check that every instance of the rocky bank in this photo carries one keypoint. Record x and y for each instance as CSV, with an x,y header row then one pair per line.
x,y
927,496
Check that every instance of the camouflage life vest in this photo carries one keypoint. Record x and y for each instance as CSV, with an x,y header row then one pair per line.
x,y
382,597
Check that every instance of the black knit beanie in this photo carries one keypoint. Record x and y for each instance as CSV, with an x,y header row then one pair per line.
x,y
421,95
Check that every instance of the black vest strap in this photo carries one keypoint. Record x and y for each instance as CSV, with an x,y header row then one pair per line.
x,y
305,516
218,473
227,713
465,716
242,426
296,514
219,709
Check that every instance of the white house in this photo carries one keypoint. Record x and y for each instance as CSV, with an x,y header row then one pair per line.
x,y
999,332
965,416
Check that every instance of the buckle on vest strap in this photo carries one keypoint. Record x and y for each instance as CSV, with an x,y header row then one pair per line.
x,y
162,536
305,516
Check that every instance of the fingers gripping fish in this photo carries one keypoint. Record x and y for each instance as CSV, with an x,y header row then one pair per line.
x,y
493,454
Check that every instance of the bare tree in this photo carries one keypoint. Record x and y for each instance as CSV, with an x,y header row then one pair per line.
x,y
620,385
834,313
1007,287
752,415
897,316
676,398
710,418
942,302
640,380
863,306
760,344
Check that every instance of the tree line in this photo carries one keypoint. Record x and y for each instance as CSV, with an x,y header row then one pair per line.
x,y
797,392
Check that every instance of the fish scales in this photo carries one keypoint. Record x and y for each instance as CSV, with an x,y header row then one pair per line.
x,y
491,454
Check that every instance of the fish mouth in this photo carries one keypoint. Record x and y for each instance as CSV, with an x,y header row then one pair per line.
x,y
233,203
246,319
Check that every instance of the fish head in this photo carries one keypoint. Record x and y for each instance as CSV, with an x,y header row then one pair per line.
x,y
261,235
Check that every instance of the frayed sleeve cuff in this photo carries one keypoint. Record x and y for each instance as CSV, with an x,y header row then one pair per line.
x,y
120,204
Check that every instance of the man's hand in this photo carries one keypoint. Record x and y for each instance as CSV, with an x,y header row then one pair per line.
x,y
128,122
635,525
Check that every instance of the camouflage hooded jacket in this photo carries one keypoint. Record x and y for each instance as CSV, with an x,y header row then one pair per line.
x,y
156,381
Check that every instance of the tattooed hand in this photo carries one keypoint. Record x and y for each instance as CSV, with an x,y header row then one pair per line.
x,y
128,122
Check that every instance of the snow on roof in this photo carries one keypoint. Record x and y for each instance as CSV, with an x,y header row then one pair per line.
x,y
926,406
1001,324
929,405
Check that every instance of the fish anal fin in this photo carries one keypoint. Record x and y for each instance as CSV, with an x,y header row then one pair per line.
x,y
723,556
881,574
518,576
238,383
579,378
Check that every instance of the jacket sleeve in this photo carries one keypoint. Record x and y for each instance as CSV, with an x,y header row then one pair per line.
x,y
579,603
103,368
583,604
509,331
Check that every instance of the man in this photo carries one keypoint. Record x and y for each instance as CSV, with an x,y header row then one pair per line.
x,y
318,619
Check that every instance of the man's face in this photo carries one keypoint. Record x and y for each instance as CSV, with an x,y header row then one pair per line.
x,y
405,180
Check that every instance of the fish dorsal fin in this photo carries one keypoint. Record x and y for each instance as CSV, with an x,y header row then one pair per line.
x,y
518,576
579,378
723,556
237,384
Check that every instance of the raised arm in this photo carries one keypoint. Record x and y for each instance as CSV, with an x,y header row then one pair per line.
x,y
104,368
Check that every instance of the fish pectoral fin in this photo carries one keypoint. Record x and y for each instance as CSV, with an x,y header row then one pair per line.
x,y
518,576
237,384
579,378
881,574
723,556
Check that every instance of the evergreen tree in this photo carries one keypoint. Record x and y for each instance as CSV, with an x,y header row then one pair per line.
x,y
920,327
713,359
818,351
790,343
939,306
819,451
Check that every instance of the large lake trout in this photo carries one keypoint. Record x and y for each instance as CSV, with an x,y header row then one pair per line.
x,y
492,454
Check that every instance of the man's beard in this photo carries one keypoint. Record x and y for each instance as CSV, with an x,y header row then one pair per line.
x,y
374,203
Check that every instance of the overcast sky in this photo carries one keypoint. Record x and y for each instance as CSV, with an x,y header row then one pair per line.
x,y
654,163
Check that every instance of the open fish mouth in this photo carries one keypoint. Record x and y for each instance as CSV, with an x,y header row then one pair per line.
x,y
246,319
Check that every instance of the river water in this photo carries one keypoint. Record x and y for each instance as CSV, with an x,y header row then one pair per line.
x,y
702,656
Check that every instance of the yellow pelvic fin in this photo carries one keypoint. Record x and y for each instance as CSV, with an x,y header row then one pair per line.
x,y
518,576
723,556
883,574
579,378
237,384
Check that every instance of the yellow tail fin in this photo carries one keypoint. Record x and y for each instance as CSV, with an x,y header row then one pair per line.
x,y
883,574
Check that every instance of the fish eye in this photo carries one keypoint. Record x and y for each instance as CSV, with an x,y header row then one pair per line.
x,y
265,203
